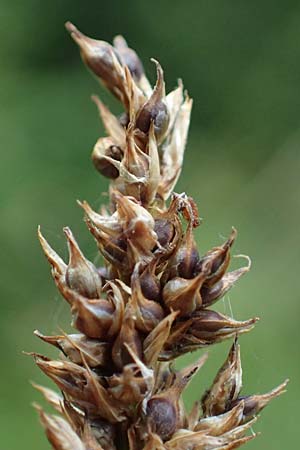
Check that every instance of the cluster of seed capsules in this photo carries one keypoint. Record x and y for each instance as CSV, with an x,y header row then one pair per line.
x,y
150,302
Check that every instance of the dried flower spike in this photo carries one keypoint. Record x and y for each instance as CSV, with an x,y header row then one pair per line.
x,y
149,301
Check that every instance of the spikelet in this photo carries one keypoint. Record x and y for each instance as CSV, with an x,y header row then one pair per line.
x,y
151,300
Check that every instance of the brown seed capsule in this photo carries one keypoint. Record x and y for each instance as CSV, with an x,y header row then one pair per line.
x,y
135,163
207,321
163,416
148,312
217,425
113,249
169,231
202,329
210,294
253,404
100,57
108,224
78,346
155,109
69,377
128,57
82,387
91,317
186,257
81,274
103,405
128,387
164,412
226,386
164,230
105,155
128,337
219,258
183,295
137,222
150,284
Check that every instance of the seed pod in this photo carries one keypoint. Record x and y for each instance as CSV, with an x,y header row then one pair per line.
x,y
210,294
137,222
149,283
128,337
69,377
238,432
100,57
81,274
105,223
164,413
106,156
77,346
103,405
91,317
135,164
83,387
128,57
202,329
207,321
183,295
113,249
128,387
219,258
253,404
165,231
148,313
226,386
186,257
217,425
155,109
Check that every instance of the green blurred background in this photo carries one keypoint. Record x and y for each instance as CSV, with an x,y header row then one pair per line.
x,y
240,61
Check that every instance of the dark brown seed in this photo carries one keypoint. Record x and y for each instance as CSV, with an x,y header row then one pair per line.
x,y
162,415
105,167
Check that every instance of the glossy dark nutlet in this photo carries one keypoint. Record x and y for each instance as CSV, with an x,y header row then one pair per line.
x,y
128,57
164,230
104,166
162,415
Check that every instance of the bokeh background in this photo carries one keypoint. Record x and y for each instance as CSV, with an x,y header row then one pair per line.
x,y
241,63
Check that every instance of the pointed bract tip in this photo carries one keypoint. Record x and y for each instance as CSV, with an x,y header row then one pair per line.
x,y
74,32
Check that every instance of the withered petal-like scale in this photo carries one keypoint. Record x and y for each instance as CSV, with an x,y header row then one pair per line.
x,y
59,432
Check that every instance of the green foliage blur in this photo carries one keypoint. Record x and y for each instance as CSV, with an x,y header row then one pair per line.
x,y
240,61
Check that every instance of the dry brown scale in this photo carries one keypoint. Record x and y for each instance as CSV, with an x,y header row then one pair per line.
x,y
151,300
